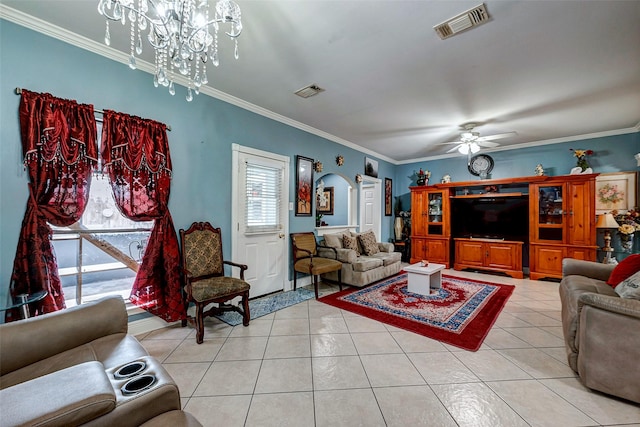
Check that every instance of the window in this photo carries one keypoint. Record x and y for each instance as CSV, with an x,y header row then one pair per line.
x,y
262,197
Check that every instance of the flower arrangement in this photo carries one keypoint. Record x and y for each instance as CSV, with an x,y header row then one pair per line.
x,y
581,156
631,219
610,194
626,229
423,177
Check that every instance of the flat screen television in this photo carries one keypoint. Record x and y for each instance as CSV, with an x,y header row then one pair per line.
x,y
491,217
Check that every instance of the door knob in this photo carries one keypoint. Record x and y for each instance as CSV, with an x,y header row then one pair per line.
x,y
281,235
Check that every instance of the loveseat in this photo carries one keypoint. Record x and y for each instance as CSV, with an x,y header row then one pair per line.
x,y
601,329
361,265
79,366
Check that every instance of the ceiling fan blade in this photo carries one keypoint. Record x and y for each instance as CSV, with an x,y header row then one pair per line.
x,y
453,149
451,142
487,144
496,136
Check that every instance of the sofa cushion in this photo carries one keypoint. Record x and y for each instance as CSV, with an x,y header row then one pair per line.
x,y
629,287
72,396
365,263
349,242
334,240
369,243
388,258
626,268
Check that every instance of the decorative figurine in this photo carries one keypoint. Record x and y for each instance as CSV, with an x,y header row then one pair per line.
x,y
446,179
539,170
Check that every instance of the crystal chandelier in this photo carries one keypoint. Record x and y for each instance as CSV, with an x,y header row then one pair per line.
x,y
179,31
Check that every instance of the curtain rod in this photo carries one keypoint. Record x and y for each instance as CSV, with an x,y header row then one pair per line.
x,y
95,110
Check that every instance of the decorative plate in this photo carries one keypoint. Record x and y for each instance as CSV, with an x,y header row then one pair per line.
x,y
481,164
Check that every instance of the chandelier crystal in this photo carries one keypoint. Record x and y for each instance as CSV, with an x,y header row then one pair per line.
x,y
183,33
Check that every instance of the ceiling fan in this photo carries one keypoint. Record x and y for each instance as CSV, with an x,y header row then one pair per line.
x,y
470,141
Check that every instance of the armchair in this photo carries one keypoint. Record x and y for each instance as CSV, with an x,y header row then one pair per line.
x,y
205,282
306,260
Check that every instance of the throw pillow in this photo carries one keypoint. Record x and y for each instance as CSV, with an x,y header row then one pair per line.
x,y
349,242
333,240
629,287
626,268
369,243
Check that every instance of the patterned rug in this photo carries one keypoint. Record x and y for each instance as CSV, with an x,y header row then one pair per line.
x,y
461,313
262,306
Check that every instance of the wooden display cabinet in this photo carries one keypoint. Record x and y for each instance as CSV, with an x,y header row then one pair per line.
x,y
562,215
430,228
489,254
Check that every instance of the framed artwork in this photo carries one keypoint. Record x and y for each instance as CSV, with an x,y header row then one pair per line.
x,y
325,206
388,197
304,185
370,167
615,191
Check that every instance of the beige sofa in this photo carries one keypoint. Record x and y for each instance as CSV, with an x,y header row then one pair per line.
x,y
601,330
359,269
75,367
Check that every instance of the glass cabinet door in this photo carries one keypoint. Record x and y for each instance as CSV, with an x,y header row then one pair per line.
x,y
551,213
434,213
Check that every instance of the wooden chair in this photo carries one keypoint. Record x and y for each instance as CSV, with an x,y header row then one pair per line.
x,y
205,282
305,259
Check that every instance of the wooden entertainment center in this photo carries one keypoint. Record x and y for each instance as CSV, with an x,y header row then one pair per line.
x,y
481,224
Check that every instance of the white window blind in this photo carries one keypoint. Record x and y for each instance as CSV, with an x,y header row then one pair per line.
x,y
263,194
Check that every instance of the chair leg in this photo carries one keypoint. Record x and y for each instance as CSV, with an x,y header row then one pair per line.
x,y
199,323
295,279
340,278
245,307
315,284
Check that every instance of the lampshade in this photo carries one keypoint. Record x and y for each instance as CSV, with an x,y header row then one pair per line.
x,y
606,221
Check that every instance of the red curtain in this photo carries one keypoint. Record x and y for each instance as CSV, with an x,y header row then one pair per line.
x,y
60,150
136,157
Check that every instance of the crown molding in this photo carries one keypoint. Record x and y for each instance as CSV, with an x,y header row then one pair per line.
x,y
82,42
59,33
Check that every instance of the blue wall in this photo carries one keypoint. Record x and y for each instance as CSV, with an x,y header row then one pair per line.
x,y
202,134
340,199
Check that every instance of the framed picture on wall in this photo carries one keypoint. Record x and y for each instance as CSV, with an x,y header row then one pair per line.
x,y
304,185
615,191
388,197
370,167
324,204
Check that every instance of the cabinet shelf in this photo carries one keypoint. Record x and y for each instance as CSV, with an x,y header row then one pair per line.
x,y
485,195
543,225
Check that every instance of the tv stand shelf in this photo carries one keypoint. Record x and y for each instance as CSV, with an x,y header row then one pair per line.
x,y
502,256
488,195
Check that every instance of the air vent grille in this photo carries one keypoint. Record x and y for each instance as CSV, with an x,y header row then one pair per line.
x,y
309,91
471,18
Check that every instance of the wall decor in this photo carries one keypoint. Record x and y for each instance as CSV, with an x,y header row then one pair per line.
x,y
370,167
358,178
304,182
324,205
388,196
317,166
339,160
615,191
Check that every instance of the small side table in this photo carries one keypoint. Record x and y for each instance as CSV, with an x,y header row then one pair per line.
x,y
403,246
420,279
22,302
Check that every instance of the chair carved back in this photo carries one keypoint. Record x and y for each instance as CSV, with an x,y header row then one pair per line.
x,y
202,250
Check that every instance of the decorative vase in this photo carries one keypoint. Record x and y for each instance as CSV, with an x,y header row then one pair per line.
x,y
398,228
582,163
626,242
422,180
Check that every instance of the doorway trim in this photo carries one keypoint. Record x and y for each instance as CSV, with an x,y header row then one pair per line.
x,y
236,149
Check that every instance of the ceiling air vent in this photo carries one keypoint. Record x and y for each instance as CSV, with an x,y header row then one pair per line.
x,y
309,91
471,18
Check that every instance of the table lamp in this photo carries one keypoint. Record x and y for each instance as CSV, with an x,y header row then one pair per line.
x,y
607,222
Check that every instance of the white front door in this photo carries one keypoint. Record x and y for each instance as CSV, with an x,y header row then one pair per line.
x,y
370,206
260,218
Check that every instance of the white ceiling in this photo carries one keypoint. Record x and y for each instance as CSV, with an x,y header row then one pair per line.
x,y
548,70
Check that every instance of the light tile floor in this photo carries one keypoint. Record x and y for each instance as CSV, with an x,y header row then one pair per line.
x,y
316,365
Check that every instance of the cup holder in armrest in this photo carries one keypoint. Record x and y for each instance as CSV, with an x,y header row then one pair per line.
x,y
130,369
138,384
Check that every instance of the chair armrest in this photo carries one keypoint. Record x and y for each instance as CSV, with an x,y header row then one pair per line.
x,y
593,270
327,252
242,267
385,247
624,306
70,396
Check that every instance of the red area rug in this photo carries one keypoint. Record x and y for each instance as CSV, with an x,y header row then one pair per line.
x,y
461,313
